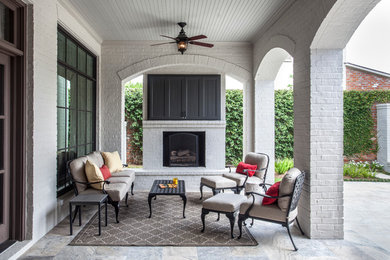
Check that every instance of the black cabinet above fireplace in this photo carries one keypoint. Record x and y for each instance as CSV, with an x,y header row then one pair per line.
x,y
184,97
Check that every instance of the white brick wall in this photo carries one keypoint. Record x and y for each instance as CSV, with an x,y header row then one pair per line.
x,y
47,209
124,59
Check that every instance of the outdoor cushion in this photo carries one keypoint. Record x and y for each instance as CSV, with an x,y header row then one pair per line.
x,y
105,171
218,182
125,173
126,180
224,202
240,178
267,211
113,161
77,170
94,174
116,191
286,187
260,160
96,158
272,191
245,166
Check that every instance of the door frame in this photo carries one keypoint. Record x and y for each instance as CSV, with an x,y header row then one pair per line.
x,y
16,50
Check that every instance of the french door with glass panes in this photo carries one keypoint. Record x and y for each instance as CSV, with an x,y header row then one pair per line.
x,y
4,147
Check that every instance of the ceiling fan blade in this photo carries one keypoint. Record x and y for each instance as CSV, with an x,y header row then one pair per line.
x,y
203,44
197,37
161,43
169,37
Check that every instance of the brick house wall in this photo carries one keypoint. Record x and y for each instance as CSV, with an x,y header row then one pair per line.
x,y
365,79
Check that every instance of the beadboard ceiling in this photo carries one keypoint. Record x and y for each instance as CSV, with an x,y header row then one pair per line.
x,y
220,20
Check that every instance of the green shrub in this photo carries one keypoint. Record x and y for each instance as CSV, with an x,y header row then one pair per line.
x,y
283,165
284,124
359,169
234,126
133,116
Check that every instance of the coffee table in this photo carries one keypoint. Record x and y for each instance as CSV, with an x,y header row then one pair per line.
x,y
156,190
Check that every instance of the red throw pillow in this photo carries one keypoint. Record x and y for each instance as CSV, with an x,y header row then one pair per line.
x,y
244,166
272,191
106,172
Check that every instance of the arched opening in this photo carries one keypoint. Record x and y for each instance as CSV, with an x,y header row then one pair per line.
x,y
264,104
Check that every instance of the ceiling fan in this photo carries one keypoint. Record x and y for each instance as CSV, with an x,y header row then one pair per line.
x,y
182,40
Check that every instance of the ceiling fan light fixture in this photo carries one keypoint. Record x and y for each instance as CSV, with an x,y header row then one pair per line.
x,y
182,46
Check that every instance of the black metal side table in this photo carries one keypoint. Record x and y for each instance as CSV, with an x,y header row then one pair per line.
x,y
88,199
156,190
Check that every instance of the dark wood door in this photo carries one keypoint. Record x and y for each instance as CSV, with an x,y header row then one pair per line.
x,y
4,147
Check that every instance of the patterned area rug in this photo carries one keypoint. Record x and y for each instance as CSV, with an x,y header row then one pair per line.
x,y
167,227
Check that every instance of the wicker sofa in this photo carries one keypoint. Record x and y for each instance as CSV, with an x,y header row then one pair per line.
x,y
117,186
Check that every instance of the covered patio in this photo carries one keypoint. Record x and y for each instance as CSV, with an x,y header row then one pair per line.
x,y
250,40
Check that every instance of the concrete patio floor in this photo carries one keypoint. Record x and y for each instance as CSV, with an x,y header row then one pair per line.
x,y
367,236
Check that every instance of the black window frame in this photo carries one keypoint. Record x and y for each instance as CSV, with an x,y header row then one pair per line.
x,y
66,153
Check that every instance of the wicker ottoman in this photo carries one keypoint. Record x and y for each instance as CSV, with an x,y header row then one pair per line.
x,y
226,203
216,184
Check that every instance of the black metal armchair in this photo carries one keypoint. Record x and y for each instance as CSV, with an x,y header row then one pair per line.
x,y
276,213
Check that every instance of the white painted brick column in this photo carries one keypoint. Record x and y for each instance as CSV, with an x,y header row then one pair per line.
x,y
318,143
265,123
383,128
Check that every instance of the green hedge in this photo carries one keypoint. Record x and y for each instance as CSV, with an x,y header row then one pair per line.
x,y
234,126
358,122
284,124
133,116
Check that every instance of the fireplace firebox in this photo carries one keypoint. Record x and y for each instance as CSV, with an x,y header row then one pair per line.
x,y
184,149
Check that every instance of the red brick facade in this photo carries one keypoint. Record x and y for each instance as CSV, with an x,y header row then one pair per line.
x,y
365,79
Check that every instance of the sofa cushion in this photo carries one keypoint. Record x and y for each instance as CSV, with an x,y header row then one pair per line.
x,y
105,171
218,182
246,166
113,161
272,191
286,187
240,178
96,158
261,160
272,212
125,173
77,169
224,202
94,174
116,191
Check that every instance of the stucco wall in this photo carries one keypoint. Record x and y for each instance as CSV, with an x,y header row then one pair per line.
x,y
47,209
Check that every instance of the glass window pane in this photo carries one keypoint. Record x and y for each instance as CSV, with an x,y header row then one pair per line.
x,y
6,23
71,86
61,162
81,150
89,127
82,60
89,149
90,66
1,144
72,127
72,153
61,46
82,93
61,128
2,90
81,128
61,86
71,53
90,95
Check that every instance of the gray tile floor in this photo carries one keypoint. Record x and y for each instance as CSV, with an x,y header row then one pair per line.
x,y
367,236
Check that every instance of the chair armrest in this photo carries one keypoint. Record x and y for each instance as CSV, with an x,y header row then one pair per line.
x,y
252,193
88,183
247,173
125,165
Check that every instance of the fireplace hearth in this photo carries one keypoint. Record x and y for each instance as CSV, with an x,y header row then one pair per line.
x,y
184,149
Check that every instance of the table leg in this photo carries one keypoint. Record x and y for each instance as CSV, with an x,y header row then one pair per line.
x,y
106,211
184,198
100,228
150,204
70,218
80,215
